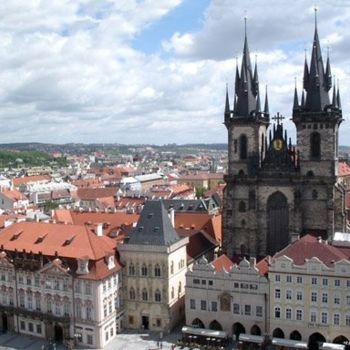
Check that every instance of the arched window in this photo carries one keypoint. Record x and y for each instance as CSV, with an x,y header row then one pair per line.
x,y
131,269
243,147
315,145
144,270
144,294
132,294
157,296
242,206
157,271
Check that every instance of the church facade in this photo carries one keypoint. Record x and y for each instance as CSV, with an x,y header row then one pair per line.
x,y
276,191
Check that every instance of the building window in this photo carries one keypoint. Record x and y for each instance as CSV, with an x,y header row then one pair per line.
x,y
214,306
247,310
172,267
259,311
105,309
144,294
196,281
29,281
315,145
324,298
88,288
243,147
132,294
314,280
89,313
38,302
277,293
289,294
236,309
159,322
29,301
110,308
324,317
348,299
57,309
157,296
30,327
336,319
21,300
314,296
109,282
242,207
131,319
313,316
203,305
56,285
347,320
179,290
289,279
192,304
277,312
90,339
325,282
336,299
277,278
288,314
157,271
337,283
78,287
66,309
299,315
144,270
131,269
78,310
38,328
299,279
37,280
252,199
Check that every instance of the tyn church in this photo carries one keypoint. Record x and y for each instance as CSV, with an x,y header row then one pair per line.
x,y
276,191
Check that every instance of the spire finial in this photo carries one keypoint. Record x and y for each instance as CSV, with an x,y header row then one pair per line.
x,y
245,23
315,9
295,82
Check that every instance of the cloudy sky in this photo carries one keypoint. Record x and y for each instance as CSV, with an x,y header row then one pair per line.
x,y
153,71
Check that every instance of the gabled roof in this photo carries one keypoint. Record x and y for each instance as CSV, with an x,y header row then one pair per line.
x,y
222,262
154,226
70,241
18,181
95,193
309,247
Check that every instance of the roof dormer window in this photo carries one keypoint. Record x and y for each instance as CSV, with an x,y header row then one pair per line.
x,y
83,266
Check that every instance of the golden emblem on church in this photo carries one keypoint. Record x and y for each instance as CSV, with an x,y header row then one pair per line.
x,y
277,144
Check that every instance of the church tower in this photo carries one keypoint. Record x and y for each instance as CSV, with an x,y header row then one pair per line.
x,y
275,191
317,120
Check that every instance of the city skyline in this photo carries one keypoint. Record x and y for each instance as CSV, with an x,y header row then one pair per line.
x,y
153,71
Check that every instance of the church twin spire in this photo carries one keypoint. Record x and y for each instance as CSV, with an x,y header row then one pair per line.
x,y
246,96
317,81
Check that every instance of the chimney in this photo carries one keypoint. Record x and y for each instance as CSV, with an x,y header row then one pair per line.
x,y
171,214
99,230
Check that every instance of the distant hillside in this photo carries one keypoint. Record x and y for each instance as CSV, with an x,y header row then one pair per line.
x,y
18,159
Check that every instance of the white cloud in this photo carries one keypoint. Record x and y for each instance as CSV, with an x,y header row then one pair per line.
x,y
69,71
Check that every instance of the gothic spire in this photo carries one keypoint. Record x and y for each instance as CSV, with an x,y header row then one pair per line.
x,y
256,78
338,98
316,83
303,98
266,108
227,103
328,75
306,74
246,84
258,107
334,99
296,100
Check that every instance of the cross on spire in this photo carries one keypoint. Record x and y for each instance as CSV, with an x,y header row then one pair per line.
x,y
278,118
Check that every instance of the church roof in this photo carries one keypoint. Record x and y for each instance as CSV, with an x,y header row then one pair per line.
x,y
154,226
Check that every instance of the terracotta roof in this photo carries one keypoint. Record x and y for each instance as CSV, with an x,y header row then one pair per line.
x,y
95,193
200,221
308,247
111,221
18,181
343,169
71,241
10,217
88,183
14,195
263,265
222,262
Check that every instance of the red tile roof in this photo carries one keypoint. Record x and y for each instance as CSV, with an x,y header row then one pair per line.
x,y
308,247
14,195
263,265
18,181
71,241
222,262
96,193
343,169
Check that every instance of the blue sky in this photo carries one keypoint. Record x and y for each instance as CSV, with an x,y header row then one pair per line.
x,y
153,71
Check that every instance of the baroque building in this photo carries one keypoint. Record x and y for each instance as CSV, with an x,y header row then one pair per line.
x,y
276,191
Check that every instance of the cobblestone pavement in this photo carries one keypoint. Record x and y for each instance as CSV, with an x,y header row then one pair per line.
x,y
125,341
